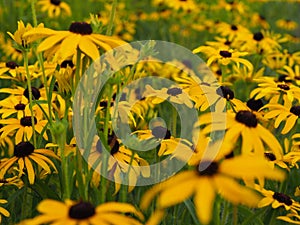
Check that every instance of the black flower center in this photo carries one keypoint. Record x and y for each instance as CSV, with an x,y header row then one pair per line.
x,y
234,27
11,65
35,93
295,110
282,198
23,149
225,92
255,104
26,121
174,91
247,118
283,87
270,156
81,28
258,36
20,106
115,148
160,132
55,2
225,54
82,210
208,168
67,63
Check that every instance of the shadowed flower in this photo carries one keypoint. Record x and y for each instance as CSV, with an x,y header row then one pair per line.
x,y
84,213
54,7
24,155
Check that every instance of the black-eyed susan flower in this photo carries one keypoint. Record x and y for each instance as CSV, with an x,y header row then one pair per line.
x,y
287,112
172,94
224,56
3,211
245,124
23,127
277,199
83,213
122,163
187,5
291,73
54,7
25,155
79,36
13,106
232,31
272,90
211,176
10,67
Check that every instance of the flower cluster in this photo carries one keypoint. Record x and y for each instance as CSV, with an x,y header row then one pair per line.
x,y
94,130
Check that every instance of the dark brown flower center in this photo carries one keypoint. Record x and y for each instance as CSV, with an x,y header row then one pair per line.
x,y
234,27
67,63
208,168
282,198
35,93
270,156
174,91
115,147
26,121
23,149
160,132
11,65
247,118
55,2
225,92
82,28
82,210
255,104
295,110
258,36
225,54
283,87
20,106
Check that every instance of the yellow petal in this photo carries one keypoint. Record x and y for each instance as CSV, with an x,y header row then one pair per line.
x,y
204,200
89,48
30,170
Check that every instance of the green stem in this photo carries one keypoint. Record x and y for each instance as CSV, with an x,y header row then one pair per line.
x,y
28,77
33,11
41,63
235,215
111,17
104,166
174,121
77,72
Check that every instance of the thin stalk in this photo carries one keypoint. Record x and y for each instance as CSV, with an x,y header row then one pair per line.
x,y
28,77
103,182
33,11
111,17
235,215
77,72
41,62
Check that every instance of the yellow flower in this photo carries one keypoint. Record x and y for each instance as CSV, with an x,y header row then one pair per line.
x,y
173,94
23,127
3,211
84,213
286,24
22,41
54,7
288,112
187,5
25,154
291,73
243,124
65,43
276,199
272,90
210,177
122,163
224,56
